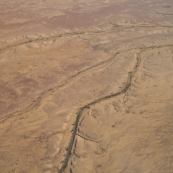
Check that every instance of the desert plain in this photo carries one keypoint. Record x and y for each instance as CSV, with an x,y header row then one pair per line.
x,y
86,86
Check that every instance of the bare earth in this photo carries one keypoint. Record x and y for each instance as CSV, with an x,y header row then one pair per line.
x,y
86,86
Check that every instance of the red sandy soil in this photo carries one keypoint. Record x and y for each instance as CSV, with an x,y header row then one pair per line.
x,y
86,86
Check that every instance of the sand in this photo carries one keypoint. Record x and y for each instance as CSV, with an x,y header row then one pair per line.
x,y
86,86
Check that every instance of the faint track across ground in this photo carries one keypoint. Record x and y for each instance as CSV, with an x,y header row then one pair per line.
x,y
85,32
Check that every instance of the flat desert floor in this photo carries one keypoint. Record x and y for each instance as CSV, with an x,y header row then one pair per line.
x,y
86,86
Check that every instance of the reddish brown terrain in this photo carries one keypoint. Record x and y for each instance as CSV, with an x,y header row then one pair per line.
x,y
86,86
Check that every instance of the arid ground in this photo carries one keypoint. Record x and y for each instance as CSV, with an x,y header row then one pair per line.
x,y
86,86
